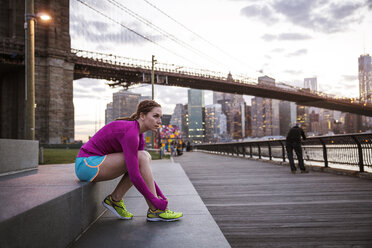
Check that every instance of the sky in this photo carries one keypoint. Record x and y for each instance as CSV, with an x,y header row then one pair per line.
x,y
288,40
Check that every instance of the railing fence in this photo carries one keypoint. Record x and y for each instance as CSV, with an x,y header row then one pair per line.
x,y
351,149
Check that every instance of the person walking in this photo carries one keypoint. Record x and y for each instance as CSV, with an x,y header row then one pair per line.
x,y
293,142
116,150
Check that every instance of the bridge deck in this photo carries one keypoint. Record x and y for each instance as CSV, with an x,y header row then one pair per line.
x,y
258,204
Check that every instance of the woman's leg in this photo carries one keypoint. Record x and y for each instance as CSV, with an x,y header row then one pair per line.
x,y
144,160
113,167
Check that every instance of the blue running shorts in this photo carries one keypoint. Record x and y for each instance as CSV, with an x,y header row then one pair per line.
x,y
87,168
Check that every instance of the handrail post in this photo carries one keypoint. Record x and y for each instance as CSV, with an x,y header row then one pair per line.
x,y
283,152
268,143
324,153
360,153
243,150
259,150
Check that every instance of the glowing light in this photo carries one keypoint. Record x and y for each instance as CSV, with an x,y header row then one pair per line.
x,y
44,16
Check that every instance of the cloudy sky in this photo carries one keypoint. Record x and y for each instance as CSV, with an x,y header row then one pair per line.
x,y
288,40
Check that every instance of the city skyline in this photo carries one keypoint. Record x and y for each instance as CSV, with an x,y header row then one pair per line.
x,y
285,41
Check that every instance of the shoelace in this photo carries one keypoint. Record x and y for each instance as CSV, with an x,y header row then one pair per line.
x,y
120,205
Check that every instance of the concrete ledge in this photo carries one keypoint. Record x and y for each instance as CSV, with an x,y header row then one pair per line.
x,y
48,207
18,155
197,228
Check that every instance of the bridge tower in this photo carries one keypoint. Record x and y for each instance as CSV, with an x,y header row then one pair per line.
x,y
54,72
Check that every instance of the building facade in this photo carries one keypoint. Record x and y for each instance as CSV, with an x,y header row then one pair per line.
x,y
109,113
215,123
196,125
311,83
365,78
265,117
176,118
287,116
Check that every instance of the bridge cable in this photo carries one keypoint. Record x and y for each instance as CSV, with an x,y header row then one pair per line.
x,y
199,36
164,33
131,30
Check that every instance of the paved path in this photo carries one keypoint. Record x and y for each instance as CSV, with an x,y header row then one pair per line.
x,y
259,204
196,229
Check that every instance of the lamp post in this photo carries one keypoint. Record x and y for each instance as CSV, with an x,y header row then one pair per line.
x,y
153,61
30,67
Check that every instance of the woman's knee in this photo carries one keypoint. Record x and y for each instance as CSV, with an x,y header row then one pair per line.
x,y
144,157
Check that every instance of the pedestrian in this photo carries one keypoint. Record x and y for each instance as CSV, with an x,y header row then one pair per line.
x,y
118,150
172,146
188,147
293,142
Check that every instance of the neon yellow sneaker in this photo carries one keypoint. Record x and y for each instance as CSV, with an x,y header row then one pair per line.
x,y
118,208
160,215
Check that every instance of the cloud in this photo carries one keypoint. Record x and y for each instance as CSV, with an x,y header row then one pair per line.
x,y
293,72
297,53
323,16
99,89
85,83
100,32
84,122
277,50
260,12
79,90
328,16
86,96
286,37
268,37
349,77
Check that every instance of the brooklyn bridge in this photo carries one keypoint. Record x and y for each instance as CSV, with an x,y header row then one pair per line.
x,y
237,194
57,65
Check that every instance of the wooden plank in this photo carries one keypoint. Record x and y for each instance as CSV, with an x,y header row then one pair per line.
x,y
258,204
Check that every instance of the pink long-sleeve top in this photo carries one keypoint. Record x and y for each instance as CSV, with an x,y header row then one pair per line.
x,y
124,136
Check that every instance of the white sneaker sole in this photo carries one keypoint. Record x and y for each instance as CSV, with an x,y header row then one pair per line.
x,y
161,219
114,212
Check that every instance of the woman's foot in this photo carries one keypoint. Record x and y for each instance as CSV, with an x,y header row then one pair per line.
x,y
118,208
163,215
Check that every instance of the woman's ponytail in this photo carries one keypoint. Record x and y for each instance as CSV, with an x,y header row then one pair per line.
x,y
143,107
133,117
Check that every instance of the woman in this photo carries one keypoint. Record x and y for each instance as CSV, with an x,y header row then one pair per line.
x,y
118,149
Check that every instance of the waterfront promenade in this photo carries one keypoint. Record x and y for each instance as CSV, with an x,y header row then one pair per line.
x,y
261,204
226,201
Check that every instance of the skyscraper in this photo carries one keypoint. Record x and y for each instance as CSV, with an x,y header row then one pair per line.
x,y
365,78
215,122
109,113
125,103
365,87
265,112
311,83
177,117
287,116
196,115
265,117
233,106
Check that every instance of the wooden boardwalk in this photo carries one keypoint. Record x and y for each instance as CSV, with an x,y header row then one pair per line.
x,y
259,204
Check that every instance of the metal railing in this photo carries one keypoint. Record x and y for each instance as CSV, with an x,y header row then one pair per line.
x,y
351,149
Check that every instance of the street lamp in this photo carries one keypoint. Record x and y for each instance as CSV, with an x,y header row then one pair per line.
x,y
153,61
29,26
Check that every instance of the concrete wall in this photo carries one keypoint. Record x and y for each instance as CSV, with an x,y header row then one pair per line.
x,y
18,155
